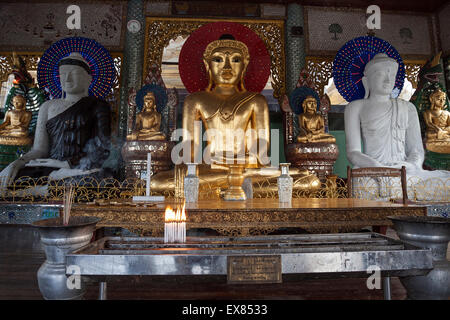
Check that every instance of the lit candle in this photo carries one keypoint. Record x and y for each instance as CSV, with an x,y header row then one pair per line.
x,y
149,161
183,225
168,225
177,227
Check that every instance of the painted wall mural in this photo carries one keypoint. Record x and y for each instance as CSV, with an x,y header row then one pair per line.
x,y
37,29
328,29
444,28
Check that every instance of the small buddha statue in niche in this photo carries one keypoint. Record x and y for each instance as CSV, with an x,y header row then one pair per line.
x,y
437,121
148,121
311,123
14,129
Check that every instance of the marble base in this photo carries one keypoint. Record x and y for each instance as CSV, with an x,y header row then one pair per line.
x,y
318,158
134,154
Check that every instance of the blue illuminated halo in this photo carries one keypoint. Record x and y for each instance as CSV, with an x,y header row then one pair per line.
x,y
351,59
99,59
299,95
160,96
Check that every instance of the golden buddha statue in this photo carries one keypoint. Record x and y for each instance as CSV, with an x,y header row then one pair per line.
x,y
311,123
437,121
224,108
148,121
14,129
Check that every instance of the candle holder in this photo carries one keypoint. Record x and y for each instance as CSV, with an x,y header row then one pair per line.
x,y
148,197
285,183
235,180
191,183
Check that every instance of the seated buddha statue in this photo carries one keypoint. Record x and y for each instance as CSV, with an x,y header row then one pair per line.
x,y
148,121
311,123
72,137
224,108
437,121
14,129
390,131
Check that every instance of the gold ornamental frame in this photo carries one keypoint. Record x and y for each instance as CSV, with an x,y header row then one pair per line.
x,y
159,31
320,70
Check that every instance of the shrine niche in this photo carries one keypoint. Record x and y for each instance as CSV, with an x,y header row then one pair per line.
x,y
159,31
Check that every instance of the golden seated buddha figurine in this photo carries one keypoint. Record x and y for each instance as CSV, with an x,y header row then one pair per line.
x,y
148,134
14,129
311,123
224,108
148,121
437,121
313,149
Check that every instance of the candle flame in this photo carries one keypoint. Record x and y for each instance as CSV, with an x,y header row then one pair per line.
x,y
183,214
178,215
172,216
169,215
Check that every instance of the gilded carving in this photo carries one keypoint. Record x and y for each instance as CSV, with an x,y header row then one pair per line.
x,y
320,70
248,221
6,62
161,30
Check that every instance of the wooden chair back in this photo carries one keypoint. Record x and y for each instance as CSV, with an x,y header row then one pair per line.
x,y
376,172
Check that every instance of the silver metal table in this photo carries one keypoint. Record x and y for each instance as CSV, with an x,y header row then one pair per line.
x,y
257,259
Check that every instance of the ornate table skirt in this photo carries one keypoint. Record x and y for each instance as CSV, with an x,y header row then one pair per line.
x,y
254,217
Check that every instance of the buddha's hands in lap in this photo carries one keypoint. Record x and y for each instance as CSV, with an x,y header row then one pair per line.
x,y
410,166
48,163
65,173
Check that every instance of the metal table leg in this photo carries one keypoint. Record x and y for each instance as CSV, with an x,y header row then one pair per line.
x,y
387,288
102,291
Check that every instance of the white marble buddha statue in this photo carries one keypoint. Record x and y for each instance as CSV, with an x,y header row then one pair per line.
x,y
72,136
389,130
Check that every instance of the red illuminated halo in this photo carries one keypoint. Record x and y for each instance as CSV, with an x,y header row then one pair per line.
x,y
192,70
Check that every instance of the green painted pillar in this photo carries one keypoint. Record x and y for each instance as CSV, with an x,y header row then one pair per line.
x,y
295,46
133,61
295,54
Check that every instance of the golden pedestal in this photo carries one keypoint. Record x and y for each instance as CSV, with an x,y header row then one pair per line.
x,y
318,157
134,154
235,181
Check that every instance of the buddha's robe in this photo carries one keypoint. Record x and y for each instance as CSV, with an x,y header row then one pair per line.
x,y
392,137
81,134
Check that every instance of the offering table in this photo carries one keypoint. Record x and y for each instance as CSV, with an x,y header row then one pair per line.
x,y
253,216
252,260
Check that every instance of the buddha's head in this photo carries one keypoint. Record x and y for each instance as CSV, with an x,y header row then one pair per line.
x,y
309,105
19,102
75,74
437,99
379,75
226,61
149,101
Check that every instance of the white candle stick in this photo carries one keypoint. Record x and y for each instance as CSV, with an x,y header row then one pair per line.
x,y
165,232
149,161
